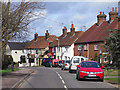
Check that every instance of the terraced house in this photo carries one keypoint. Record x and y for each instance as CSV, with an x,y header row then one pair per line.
x,y
91,42
63,47
38,48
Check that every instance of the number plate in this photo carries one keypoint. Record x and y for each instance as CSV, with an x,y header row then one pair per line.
x,y
91,75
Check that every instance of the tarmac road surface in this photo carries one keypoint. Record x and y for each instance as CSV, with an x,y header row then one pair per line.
x,y
45,77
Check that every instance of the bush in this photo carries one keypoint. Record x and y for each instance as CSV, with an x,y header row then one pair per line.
x,y
7,61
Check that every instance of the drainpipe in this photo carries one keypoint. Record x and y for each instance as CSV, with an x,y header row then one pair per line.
x,y
88,51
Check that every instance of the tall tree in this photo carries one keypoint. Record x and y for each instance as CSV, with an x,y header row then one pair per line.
x,y
16,16
113,45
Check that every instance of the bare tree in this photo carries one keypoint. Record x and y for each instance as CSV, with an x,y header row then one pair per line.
x,y
16,16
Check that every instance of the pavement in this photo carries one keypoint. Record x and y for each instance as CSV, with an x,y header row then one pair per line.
x,y
13,79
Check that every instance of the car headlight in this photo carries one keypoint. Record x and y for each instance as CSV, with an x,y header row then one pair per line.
x,y
91,72
84,72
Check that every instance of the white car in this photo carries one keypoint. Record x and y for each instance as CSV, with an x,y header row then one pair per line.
x,y
76,60
65,65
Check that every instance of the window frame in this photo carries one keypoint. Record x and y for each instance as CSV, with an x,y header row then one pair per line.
x,y
96,47
86,47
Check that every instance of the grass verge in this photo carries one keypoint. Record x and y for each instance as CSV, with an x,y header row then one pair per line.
x,y
6,71
111,72
112,80
39,66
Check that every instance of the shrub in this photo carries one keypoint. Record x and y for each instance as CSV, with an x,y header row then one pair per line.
x,y
7,61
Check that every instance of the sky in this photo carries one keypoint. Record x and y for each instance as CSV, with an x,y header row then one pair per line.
x,y
59,14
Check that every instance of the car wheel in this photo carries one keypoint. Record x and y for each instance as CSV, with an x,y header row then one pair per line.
x,y
70,71
101,80
76,76
61,68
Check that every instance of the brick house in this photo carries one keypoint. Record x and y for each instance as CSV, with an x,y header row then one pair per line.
x,y
91,42
63,47
38,48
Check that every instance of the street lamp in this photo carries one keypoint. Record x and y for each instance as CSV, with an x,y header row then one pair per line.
x,y
58,48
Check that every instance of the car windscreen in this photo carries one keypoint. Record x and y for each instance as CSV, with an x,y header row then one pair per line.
x,y
68,61
76,60
60,61
90,65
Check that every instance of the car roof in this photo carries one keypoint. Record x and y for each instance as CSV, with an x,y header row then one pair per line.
x,y
89,61
78,56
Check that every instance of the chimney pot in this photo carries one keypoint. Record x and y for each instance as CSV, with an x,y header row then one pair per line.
x,y
72,26
64,31
36,36
100,13
46,34
65,27
103,13
113,9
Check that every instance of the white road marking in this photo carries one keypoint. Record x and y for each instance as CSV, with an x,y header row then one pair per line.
x,y
65,87
63,82
61,79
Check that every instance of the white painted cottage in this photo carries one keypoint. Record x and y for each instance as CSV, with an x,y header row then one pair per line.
x,y
16,49
63,47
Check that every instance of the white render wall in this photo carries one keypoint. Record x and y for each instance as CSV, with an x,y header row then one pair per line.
x,y
66,53
69,53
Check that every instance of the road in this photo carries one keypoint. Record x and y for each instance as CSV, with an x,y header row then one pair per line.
x,y
45,77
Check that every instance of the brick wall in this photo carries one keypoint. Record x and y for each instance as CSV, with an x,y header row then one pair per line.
x,y
91,50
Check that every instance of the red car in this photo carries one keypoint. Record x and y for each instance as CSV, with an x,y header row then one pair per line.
x,y
89,70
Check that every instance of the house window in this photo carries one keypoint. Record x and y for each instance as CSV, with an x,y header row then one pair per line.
x,y
16,52
105,59
53,50
36,51
86,47
79,47
96,47
22,59
66,48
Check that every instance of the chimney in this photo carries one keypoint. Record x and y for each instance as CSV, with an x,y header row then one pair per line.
x,y
72,29
46,34
113,14
64,31
101,18
35,36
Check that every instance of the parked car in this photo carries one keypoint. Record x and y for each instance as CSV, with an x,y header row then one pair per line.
x,y
65,65
60,63
89,70
47,62
55,62
74,62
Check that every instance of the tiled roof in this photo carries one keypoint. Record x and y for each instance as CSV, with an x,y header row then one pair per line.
x,y
17,45
41,42
68,39
98,33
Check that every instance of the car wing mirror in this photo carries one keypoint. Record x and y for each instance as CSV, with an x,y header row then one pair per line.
x,y
103,67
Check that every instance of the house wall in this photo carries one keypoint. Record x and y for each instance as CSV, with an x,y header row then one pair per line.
x,y
8,51
16,54
69,52
90,52
66,52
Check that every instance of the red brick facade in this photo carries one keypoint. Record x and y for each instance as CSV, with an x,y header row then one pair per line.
x,y
95,36
91,50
